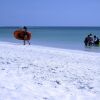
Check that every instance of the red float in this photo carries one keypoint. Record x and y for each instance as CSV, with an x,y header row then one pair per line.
x,y
19,34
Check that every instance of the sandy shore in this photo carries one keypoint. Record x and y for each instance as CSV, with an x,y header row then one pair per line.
x,y
45,73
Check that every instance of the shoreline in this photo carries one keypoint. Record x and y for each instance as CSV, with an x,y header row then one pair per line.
x,y
82,48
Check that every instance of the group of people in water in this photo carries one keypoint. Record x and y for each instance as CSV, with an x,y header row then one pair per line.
x,y
91,40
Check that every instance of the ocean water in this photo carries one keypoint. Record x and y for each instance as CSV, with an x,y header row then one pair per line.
x,y
60,37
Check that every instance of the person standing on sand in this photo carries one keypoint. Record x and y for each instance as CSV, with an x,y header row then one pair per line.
x,y
25,35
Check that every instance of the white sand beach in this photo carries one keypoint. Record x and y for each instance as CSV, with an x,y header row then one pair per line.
x,y
44,73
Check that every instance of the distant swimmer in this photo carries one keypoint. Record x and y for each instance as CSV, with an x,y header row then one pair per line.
x,y
96,41
88,40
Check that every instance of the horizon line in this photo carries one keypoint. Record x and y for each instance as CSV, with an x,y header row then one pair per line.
x,y
43,26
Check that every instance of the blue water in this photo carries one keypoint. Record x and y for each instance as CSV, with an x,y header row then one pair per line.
x,y
60,37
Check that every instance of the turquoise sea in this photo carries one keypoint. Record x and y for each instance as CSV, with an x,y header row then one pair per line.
x,y
60,37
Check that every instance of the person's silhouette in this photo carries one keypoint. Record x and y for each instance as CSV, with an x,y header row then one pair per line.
x,y
25,35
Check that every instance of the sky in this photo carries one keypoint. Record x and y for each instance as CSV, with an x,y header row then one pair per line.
x,y
50,12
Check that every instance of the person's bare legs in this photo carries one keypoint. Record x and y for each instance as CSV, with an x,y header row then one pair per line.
x,y
24,42
28,42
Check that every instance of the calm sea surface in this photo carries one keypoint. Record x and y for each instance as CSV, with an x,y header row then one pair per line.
x,y
60,37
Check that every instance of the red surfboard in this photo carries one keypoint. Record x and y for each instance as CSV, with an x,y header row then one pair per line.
x,y
19,34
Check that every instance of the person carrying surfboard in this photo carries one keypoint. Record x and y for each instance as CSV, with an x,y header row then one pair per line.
x,y
25,35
